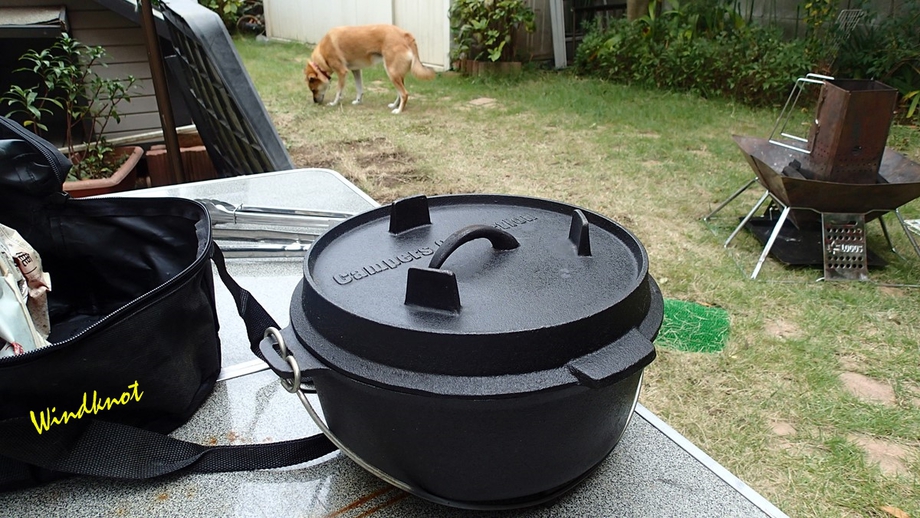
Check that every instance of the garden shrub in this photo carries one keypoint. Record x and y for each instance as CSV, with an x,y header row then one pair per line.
x,y
887,50
707,48
709,52
228,10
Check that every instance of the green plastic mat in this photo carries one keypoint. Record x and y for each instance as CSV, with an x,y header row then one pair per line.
x,y
689,326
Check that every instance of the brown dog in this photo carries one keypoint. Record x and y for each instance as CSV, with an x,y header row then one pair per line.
x,y
353,48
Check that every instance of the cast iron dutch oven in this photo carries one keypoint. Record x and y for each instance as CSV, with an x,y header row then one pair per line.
x,y
481,351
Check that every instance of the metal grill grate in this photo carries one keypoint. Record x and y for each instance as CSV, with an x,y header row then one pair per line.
x,y
228,112
845,250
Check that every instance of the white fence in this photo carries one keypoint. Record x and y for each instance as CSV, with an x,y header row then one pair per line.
x,y
309,20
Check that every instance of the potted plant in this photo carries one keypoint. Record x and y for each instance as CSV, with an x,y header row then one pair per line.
x,y
68,81
485,31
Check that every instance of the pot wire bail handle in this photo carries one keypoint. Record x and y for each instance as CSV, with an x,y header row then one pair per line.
x,y
294,387
500,240
374,470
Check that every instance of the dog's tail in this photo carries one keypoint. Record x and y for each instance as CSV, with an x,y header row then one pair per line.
x,y
418,69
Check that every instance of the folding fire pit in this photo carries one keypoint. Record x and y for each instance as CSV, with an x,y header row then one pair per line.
x,y
841,178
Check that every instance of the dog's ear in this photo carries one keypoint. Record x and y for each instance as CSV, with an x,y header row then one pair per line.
x,y
313,74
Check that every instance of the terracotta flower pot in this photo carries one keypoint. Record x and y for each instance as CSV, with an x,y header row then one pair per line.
x,y
123,179
195,162
475,68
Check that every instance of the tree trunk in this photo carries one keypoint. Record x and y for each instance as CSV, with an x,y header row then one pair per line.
x,y
636,9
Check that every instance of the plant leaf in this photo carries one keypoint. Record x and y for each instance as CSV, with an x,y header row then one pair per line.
x,y
894,511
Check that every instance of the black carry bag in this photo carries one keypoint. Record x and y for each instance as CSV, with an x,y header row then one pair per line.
x,y
134,347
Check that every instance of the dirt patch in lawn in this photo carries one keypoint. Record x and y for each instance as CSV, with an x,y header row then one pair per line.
x,y
782,428
782,329
785,433
374,164
891,457
868,389
484,102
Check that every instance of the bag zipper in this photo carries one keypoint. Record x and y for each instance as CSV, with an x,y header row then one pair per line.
x,y
181,276
50,154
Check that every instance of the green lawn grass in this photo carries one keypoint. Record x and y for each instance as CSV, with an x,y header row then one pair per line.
x,y
772,405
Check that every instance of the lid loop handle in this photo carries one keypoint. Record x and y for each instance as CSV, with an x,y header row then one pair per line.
x,y
500,240
435,288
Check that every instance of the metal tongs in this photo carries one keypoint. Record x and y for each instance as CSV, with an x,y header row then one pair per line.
x,y
268,242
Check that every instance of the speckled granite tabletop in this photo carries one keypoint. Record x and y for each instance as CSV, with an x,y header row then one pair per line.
x,y
653,471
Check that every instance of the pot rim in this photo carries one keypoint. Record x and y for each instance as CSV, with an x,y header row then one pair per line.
x,y
301,334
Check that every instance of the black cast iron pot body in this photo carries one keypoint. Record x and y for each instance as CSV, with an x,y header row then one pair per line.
x,y
481,351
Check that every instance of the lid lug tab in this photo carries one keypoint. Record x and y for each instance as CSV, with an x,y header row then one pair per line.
x,y
409,213
433,288
578,233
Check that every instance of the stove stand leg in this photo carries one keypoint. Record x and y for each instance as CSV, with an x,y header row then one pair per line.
x,y
910,237
730,198
769,245
881,222
746,218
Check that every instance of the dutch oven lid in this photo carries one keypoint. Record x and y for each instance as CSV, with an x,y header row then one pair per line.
x,y
477,285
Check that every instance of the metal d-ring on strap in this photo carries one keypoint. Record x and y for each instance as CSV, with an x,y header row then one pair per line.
x,y
292,385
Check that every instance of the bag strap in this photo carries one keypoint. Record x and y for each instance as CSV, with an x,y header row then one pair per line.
x,y
106,449
255,317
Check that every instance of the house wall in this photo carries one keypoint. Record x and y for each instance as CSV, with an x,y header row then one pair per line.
x,y
123,40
